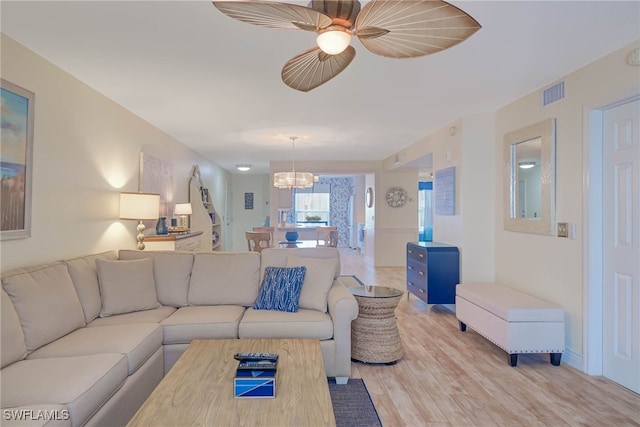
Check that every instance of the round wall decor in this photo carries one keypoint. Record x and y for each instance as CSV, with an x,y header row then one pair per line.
x,y
396,197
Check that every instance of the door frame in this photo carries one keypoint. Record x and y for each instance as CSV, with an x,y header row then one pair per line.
x,y
592,253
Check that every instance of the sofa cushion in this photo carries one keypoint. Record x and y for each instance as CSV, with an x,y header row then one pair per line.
x,y
126,286
11,338
172,271
278,257
84,274
46,302
281,324
280,289
202,322
155,315
82,383
137,342
225,278
317,281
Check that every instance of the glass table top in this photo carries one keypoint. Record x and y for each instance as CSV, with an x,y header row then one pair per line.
x,y
371,291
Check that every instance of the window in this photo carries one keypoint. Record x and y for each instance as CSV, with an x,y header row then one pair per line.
x,y
312,205
425,211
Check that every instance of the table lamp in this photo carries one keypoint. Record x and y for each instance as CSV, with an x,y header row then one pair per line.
x,y
183,209
140,206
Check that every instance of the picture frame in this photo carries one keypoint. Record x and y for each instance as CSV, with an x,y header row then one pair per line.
x,y
16,160
445,191
248,201
157,176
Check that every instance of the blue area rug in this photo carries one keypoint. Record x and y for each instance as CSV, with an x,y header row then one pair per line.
x,y
352,404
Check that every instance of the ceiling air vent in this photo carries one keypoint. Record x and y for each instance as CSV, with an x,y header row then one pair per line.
x,y
553,94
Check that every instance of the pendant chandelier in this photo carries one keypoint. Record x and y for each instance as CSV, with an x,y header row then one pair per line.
x,y
293,179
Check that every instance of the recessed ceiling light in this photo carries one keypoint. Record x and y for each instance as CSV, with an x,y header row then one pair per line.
x,y
243,168
526,165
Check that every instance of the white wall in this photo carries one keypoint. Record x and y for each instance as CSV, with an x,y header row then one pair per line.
x,y
86,150
245,219
395,226
546,266
468,145
477,198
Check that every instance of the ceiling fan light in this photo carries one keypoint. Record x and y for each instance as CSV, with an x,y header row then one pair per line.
x,y
333,42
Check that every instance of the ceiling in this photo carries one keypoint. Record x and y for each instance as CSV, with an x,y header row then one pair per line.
x,y
214,83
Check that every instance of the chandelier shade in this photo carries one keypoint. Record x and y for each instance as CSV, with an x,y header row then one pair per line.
x,y
293,179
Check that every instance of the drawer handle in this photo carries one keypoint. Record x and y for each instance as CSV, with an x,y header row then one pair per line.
x,y
409,283
421,255
421,273
409,268
421,290
410,251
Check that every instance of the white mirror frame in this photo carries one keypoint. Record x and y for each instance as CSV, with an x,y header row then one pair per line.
x,y
546,130
369,197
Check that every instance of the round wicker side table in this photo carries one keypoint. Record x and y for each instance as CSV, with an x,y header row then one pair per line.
x,y
374,333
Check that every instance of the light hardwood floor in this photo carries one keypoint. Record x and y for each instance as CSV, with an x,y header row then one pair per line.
x,y
450,378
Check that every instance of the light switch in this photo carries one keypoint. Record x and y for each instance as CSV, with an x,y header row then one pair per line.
x,y
563,229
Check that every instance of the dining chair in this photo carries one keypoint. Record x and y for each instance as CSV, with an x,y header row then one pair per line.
x,y
270,230
257,241
324,234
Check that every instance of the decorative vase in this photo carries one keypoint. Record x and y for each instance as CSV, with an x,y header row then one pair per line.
x,y
161,226
291,236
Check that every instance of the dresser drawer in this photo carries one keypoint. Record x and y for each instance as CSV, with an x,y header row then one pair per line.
x,y
416,253
419,271
417,291
189,244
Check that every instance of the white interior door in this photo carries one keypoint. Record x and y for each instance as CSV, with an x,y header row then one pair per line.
x,y
621,245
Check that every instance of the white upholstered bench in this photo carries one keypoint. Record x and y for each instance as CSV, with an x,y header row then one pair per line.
x,y
514,321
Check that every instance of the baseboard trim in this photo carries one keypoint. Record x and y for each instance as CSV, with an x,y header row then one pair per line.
x,y
573,359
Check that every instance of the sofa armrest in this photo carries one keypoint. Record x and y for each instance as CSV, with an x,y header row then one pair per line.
x,y
343,308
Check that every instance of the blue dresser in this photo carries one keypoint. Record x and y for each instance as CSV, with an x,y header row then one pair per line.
x,y
433,271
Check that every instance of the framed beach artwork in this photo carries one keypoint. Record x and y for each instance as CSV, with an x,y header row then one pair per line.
x,y
156,176
16,147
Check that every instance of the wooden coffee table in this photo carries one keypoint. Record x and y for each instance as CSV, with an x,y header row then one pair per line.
x,y
198,390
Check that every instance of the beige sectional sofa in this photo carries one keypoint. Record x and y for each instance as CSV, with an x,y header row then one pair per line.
x,y
85,341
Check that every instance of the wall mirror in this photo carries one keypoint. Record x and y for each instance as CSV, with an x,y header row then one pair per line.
x,y
369,197
529,179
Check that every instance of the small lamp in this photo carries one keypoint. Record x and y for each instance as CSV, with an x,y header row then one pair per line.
x,y
140,206
183,209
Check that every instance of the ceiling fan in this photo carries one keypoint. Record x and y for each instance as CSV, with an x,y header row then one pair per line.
x,y
391,28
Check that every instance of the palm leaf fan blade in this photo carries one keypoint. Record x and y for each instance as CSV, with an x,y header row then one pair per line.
x,y
274,15
415,28
313,67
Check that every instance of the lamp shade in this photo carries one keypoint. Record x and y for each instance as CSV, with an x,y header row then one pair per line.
x,y
183,209
139,206
293,179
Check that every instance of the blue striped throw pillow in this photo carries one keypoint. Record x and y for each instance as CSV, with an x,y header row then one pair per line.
x,y
280,289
